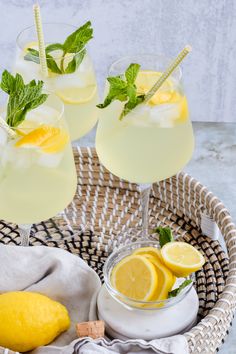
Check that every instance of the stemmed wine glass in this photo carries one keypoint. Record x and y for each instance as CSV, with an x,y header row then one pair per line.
x,y
154,140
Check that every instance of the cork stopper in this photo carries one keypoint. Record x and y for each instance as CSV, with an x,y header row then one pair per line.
x,y
93,329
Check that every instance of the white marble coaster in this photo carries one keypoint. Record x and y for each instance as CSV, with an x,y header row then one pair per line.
x,y
122,323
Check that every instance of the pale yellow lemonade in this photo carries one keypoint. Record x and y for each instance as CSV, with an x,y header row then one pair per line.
x,y
37,170
153,141
76,88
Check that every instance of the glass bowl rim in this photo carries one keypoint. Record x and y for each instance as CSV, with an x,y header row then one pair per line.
x,y
127,301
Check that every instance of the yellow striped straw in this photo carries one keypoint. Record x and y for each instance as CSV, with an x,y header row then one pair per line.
x,y
167,73
39,29
10,132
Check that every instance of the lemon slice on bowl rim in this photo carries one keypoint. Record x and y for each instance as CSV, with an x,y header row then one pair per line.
x,y
182,258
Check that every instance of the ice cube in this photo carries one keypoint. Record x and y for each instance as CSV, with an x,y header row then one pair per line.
x,y
50,160
164,114
43,115
19,157
139,116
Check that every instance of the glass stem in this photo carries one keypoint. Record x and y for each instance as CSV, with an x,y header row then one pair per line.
x,y
24,231
145,193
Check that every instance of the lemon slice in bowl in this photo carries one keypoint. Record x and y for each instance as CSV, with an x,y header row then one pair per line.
x,y
152,251
135,277
181,258
166,279
77,95
49,138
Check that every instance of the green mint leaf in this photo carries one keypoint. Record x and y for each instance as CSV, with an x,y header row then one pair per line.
x,y
22,97
117,91
165,235
75,62
52,65
78,39
124,89
52,47
74,43
32,55
176,291
132,73
130,105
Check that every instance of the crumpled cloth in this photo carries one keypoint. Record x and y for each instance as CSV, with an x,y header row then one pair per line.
x,y
68,279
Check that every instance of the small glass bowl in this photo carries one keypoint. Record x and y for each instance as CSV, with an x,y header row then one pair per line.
x,y
130,303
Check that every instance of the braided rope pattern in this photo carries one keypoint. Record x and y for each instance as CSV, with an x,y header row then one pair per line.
x,y
106,211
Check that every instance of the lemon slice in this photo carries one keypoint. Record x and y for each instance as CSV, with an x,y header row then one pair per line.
x,y
77,95
152,251
26,127
33,45
144,82
50,139
166,95
166,279
135,277
181,258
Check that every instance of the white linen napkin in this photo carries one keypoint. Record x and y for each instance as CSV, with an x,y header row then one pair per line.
x,y
68,279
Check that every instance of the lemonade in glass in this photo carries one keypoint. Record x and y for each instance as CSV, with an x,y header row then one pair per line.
x,y
154,140
37,169
70,71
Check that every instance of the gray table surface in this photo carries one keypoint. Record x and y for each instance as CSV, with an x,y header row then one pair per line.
x,y
214,165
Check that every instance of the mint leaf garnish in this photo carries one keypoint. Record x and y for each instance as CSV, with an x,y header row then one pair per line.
x,y
22,97
74,43
124,89
176,291
165,235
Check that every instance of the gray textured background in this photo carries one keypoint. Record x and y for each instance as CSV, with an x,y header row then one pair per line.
x,y
155,26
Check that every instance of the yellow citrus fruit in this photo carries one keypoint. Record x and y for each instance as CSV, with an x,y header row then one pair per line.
x,y
181,258
152,251
77,95
29,320
166,95
33,45
26,127
50,139
166,279
135,277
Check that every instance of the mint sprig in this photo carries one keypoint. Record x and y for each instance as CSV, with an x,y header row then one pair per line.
x,y
124,89
74,43
165,235
176,291
22,97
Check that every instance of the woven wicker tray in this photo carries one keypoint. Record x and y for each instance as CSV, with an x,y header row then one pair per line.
x,y
106,210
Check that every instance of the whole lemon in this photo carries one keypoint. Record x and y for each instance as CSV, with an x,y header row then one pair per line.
x,y
29,320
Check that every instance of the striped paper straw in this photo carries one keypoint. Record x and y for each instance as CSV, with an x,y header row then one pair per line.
x,y
39,29
167,73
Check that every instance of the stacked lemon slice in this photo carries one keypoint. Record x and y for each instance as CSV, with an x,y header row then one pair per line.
x,y
149,273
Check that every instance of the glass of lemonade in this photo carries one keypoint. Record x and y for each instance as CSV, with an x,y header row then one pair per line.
x,y
37,169
154,141
77,90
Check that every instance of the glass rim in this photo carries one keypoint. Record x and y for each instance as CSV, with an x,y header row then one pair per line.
x,y
130,302
28,28
152,55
